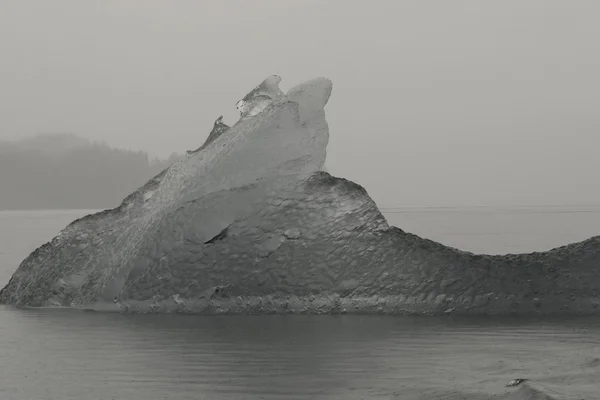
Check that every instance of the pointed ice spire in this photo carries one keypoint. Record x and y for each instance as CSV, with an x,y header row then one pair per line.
x,y
218,129
260,97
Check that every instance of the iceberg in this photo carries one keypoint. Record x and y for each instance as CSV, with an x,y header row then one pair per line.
x,y
250,223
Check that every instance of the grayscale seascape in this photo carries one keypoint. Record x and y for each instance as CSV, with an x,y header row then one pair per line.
x,y
293,200
76,355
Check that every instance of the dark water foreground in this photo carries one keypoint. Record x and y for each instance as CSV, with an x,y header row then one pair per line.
x,y
68,354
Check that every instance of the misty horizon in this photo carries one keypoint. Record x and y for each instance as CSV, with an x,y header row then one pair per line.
x,y
442,104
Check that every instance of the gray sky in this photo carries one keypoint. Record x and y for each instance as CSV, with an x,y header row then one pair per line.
x,y
434,102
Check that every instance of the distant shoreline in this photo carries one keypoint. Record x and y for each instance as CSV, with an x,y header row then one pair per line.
x,y
66,172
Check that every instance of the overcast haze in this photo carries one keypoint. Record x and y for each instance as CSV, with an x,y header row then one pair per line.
x,y
434,102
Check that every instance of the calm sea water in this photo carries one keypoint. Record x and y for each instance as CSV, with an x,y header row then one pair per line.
x,y
66,354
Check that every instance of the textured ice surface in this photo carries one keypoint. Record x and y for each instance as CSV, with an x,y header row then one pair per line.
x,y
260,97
248,223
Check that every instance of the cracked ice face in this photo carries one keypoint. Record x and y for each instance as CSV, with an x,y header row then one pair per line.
x,y
289,135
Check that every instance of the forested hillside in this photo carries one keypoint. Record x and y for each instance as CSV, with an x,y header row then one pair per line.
x,y
67,172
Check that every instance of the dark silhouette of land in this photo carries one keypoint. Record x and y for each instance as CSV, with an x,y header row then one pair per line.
x,y
64,171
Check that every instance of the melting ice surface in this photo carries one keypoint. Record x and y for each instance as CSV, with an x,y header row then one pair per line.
x,y
248,223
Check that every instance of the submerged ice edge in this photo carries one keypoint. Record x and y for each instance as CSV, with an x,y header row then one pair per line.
x,y
332,303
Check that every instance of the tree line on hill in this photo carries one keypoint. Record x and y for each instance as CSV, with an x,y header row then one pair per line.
x,y
64,171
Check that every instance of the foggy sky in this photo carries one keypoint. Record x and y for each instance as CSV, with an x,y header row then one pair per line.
x,y
435,102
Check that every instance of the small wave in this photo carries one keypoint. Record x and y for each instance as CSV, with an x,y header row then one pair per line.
x,y
527,391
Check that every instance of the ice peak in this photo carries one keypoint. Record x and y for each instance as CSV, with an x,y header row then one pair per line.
x,y
260,97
